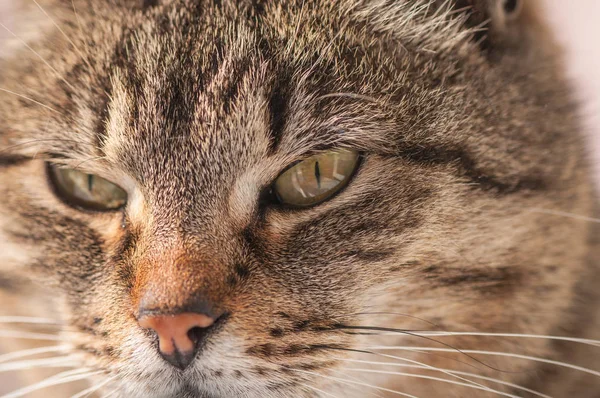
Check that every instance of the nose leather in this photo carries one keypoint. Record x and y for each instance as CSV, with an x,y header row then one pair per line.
x,y
176,344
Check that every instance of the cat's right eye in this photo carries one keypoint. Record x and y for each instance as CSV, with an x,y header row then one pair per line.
x,y
86,191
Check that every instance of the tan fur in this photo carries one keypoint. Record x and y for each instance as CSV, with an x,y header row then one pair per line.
x,y
462,217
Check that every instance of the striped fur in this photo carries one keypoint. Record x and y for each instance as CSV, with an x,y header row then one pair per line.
x,y
466,128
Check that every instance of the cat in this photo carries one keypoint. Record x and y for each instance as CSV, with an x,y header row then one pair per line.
x,y
307,198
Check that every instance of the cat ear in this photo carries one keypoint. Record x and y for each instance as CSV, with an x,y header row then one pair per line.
x,y
498,22
497,12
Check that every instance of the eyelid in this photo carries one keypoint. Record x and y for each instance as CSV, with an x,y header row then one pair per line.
x,y
321,150
114,176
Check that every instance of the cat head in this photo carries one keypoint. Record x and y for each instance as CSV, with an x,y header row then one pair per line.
x,y
238,198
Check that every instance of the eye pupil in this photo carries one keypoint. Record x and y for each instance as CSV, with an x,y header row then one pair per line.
x,y
318,174
90,182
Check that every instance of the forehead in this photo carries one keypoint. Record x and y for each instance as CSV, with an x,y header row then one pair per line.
x,y
184,82
199,98
205,92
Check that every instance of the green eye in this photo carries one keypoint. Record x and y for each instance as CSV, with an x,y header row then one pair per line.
x,y
86,191
317,178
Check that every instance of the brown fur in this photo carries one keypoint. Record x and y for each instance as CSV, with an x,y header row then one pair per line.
x,y
469,138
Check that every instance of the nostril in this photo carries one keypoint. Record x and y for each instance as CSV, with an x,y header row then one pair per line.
x,y
197,335
179,336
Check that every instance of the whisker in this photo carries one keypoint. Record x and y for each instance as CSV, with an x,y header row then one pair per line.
x,y
93,388
467,374
352,382
413,333
49,382
110,394
26,319
492,353
8,148
349,95
412,361
419,376
92,159
38,55
591,342
33,351
564,214
16,334
30,100
77,16
64,361
63,33
311,388
391,313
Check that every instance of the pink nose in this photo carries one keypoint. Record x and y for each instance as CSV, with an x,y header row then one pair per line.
x,y
177,343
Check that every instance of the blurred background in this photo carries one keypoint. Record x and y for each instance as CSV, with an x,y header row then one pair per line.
x,y
576,26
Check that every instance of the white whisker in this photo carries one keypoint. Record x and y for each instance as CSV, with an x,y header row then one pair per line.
x,y
529,336
110,394
16,334
466,374
61,378
33,351
64,361
426,366
352,382
419,376
63,33
38,55
30,100
349,95
564,214
27,319
310,388
491,353
93,388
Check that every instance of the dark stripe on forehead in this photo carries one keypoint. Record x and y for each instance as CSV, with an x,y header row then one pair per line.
x,y
278,109
231,88
178,96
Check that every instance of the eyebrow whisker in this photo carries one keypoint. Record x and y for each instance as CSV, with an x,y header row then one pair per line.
x,y
30,99
39,56
63,33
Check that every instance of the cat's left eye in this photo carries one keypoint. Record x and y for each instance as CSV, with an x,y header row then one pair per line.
x,y
86,191
316,179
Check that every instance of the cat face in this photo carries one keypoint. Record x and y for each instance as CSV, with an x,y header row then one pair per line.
x,y
205,257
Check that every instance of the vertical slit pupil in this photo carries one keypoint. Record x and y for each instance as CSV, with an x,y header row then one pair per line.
x,y
90,182
318,174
